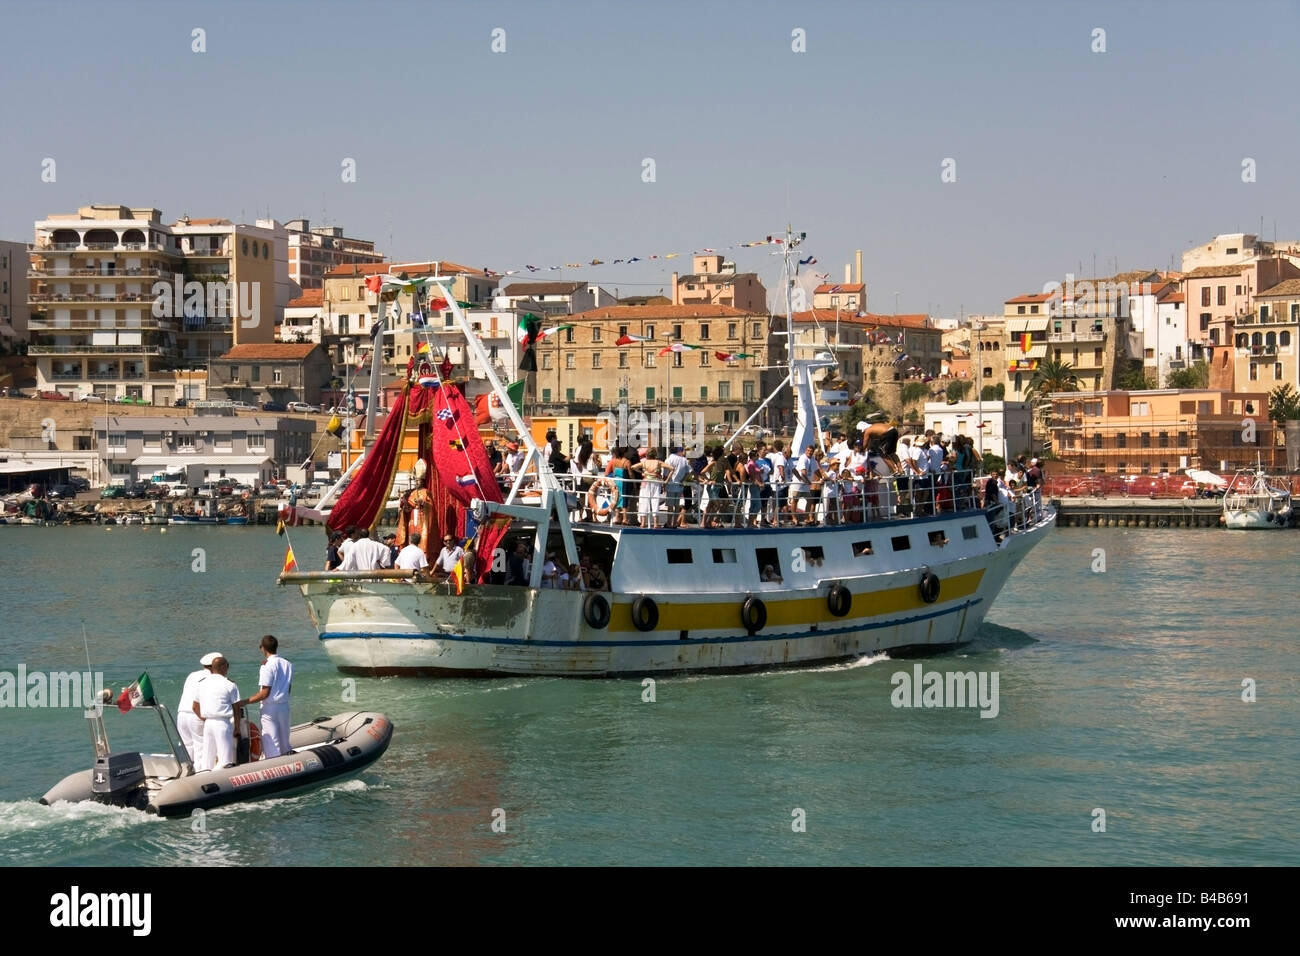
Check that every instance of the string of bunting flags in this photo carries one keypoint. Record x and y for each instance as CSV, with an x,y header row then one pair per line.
x,y
529,268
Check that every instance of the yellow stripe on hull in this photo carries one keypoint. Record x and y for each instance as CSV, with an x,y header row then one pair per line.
x,y
676,614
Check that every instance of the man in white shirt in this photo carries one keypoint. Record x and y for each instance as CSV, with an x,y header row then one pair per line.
x,y
806,471
411,557
677,468
550,572
275,680
778,480
187,722
217,705
366,554
451,553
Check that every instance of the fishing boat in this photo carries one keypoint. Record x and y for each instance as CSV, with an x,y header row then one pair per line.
x,y
1251,500
326,750
890,572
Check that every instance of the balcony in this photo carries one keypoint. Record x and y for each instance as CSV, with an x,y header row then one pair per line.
x,y
135,273
86,324
1098,335
40,247
94,350
92,297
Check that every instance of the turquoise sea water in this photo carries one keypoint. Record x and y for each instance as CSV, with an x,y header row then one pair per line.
x,y
1118,690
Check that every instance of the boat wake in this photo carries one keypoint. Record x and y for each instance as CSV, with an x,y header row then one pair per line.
x,y
866,660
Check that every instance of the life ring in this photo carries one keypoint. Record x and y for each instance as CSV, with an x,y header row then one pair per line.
x,y
600,504
595,611
929,587
753,614
645,613
254,740
839,601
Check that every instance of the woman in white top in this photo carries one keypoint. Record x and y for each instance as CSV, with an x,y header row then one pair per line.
x,y
650,468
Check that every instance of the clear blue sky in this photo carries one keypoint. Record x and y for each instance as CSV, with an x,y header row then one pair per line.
x,y
535,155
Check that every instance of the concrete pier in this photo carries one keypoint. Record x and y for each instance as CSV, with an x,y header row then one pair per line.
x,y
1137,512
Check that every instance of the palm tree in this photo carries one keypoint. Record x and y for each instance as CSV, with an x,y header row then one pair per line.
x,y
1050,376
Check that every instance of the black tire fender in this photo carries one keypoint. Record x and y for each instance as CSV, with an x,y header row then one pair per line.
x,y
595,610
839,601
645,613
753,614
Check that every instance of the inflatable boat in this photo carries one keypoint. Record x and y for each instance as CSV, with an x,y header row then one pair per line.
x,y
323,751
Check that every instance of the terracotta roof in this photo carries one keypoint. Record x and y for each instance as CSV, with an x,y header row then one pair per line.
x,y
867,319
271,351
633,313
1036,297
1175,297
412,269
1289,287
543,288
840,287
1215,272
645,300
310,299
202,222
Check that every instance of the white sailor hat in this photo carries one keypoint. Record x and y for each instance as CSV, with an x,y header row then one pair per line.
x,y
207,660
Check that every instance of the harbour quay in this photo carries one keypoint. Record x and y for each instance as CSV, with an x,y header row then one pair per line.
x,y
1138,512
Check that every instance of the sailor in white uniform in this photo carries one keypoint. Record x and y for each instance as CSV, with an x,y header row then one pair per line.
x,y
217,706
188,722
275,680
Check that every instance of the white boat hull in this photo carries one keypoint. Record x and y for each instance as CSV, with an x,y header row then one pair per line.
x,y
377,627
1255,518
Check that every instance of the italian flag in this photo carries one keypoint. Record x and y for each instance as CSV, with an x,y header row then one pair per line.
x,y
677,347
731,356
547,333
631,339
139,694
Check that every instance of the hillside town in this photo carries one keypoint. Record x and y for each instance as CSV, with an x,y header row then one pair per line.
x,y
130,346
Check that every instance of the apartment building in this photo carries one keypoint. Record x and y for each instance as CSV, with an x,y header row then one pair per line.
x,y
125,305
1163,431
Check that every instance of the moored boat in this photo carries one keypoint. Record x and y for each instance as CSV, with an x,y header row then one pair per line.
x,y
1253,501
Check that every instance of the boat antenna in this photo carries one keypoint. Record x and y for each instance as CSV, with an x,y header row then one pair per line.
x,y
95,713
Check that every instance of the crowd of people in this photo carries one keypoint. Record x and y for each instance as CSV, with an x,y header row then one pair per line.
x,y
843,480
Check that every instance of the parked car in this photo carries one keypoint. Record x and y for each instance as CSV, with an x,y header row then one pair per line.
x,y
178,491
304,408
90,397
225,487
157,489
274,407
243,407
139,489
54,396
206,490
81,484
63,491
113,491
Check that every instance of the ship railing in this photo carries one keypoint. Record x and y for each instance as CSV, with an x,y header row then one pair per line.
x,y
731,504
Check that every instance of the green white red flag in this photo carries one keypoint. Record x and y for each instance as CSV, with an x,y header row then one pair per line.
x,y
139,694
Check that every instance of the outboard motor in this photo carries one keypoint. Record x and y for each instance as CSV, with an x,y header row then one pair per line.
x,y
116,776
